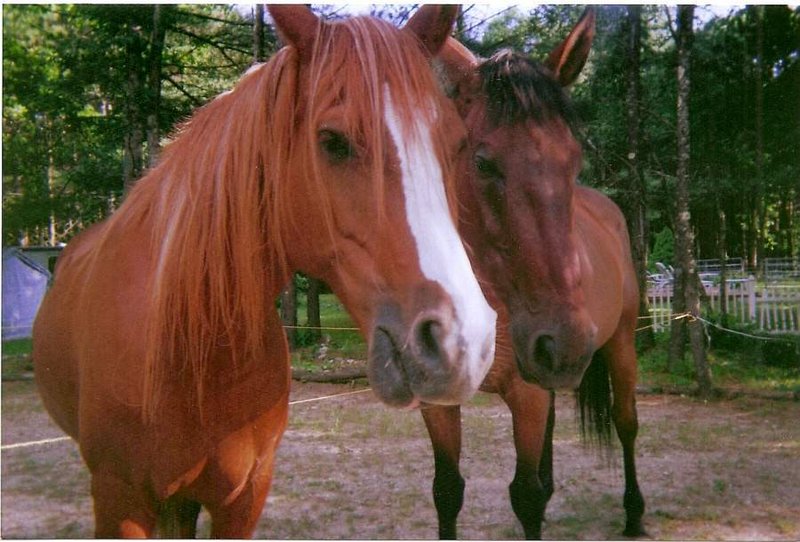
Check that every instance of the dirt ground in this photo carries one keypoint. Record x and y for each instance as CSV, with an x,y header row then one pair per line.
x,y
348,467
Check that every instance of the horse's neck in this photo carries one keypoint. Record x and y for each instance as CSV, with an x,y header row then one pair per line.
x,y
128,240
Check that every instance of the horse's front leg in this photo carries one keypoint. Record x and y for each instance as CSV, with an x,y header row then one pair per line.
x,y
533,417
444,428
120,509
237,479
620,354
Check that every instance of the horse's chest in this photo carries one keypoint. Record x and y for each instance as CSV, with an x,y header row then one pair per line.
x,y
500,373
223,467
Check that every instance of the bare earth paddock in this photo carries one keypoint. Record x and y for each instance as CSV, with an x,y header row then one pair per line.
x,y
351,468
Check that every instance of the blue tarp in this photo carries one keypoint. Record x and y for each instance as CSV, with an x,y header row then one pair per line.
x,y
24,285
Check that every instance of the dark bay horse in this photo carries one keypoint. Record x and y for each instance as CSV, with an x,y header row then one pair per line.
x,y
158,348
555,262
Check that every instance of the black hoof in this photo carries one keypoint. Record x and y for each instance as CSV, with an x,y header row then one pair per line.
x,y
635,530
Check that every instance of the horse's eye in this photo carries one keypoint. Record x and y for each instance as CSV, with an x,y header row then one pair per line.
x,y
488,168
335,145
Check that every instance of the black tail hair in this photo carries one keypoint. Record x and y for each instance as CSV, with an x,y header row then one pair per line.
x,y
593,403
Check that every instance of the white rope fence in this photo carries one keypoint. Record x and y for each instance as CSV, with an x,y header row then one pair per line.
x,y
707,323
46,441
42,442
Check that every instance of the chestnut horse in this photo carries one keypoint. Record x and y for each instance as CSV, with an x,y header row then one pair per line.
x,y
158,348
555,262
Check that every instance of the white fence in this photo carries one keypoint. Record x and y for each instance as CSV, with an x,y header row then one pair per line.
x,y
732,266
781,268
772,307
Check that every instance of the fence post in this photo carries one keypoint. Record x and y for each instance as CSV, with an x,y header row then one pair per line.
x,y
751,296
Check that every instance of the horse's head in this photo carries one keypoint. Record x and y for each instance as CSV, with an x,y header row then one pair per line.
x,y
368,204
519,190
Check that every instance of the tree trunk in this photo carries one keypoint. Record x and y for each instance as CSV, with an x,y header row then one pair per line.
x,y
133,140
723,272
52,237
786,223
259,54
686,278
24,238
760,203
460,25
289,312
154,83
635,208
341,376
312,309
677,328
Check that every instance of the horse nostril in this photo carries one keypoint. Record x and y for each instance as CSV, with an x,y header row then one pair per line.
x,y
428,335
544,351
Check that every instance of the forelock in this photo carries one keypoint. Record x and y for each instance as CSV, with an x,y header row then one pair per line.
x,y
519,89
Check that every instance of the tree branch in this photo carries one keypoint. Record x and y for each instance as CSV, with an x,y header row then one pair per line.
x,y
670,26
223,49
214,19
195,101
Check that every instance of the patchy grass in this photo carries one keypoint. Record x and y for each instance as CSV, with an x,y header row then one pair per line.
x,y
17,362
740,370
16,347
339,344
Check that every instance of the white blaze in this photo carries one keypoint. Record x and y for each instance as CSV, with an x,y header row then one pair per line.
x,y
441,254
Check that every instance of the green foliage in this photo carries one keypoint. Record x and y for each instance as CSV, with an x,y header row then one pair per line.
x,y
68,100
17,363
67,106
725,123
663,248
17,347
340,336
738,362
781,351
535,32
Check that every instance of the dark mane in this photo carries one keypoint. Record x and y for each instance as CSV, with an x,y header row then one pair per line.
x,y
518,89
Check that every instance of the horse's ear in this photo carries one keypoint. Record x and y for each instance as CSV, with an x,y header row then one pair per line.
x,y
456,67
432,24
457,61
296,25
567,60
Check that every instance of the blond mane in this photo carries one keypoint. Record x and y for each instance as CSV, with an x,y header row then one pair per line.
x,y
215,203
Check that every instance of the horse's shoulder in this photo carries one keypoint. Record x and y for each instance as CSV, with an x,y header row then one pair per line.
x,y
599,204
596,211
80,245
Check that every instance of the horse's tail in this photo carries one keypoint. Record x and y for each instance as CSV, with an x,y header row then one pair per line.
x,y
593,403
177,518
